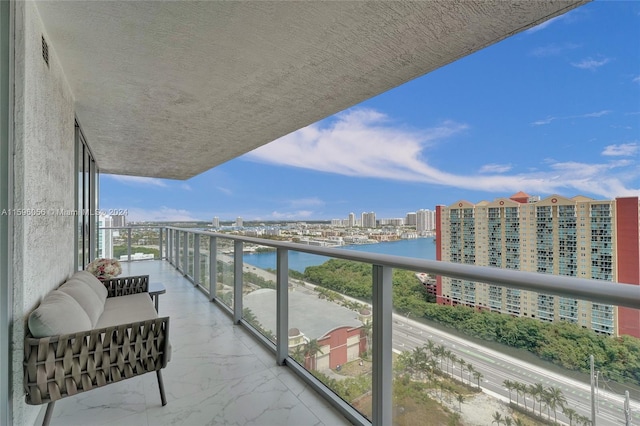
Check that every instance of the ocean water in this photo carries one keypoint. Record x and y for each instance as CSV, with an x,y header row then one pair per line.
x,y
422,248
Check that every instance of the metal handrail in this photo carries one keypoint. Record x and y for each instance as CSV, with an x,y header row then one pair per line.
x,y
598,291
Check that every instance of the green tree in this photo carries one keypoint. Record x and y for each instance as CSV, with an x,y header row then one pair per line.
x,y
510,386
311,351
460,399
497,418
570,413
536,391
478,376
556,399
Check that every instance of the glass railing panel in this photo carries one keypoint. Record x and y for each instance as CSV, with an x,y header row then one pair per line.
x,y
119,238
259,293
330,326
203,262
145,243
224,271
462,354
180,250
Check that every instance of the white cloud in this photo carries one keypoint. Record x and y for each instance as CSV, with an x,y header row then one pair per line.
x,y
543,25
571,117
186,187
495,168
359,143
544,121
224,190
636,79
625,149
553,49
590,63
364,143
137,180
162,214
306,202
593,114
300,214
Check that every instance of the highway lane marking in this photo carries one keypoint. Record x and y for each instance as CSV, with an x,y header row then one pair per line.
x,y
482,357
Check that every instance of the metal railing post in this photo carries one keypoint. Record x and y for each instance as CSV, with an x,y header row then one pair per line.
x,y
282,306
382,385
213,268
237,281
169,259
176,244
160,242
196,259
129,244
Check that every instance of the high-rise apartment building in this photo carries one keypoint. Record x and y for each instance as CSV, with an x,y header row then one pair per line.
x,y
105,236
579,237
239,222
215,222
352,220
425,221
368,220
118,221
411,219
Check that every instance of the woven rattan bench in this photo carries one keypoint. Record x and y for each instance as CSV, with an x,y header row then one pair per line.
x,y
126,339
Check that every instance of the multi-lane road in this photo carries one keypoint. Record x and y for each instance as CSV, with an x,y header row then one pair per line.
x,y
497,367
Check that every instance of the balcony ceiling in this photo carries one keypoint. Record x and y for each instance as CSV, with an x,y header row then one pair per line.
x,y
172,89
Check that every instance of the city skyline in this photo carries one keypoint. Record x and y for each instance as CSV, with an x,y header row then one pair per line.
x,y
552,110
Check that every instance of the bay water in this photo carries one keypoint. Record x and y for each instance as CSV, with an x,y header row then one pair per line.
x,y
421,248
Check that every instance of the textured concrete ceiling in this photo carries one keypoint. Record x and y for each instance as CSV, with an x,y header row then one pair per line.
x,y
172,89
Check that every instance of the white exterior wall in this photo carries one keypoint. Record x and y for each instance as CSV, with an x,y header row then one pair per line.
x,y
43,179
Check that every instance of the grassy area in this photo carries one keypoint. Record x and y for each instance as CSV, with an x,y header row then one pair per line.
x,y
412,403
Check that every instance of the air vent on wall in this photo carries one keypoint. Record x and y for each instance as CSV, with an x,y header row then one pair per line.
x,y
45,51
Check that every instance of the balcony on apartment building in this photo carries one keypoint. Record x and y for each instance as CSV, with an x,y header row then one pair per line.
x,y
172,89
230,367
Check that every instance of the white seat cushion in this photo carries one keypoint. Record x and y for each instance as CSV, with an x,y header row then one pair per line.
x,y
85,296
58,313
127,309
95,284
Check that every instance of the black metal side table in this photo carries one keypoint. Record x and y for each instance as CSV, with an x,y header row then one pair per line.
x,y
155,290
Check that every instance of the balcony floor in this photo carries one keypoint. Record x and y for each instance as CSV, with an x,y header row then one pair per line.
x,y
218,374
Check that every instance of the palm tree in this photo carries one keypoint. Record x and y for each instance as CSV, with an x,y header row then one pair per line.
x,y
460,399
546,398
367,328
463,364
509,385
556,399
447,354
518,421
430,346
470,370
508,421
477,375
522,387
440,352
537,392
497,418
298,354
571,413
453,359
312,349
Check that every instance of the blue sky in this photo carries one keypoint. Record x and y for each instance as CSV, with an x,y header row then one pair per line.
x,y
553,110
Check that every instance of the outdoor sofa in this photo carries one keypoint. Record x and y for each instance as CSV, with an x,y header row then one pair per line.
x,y
87,334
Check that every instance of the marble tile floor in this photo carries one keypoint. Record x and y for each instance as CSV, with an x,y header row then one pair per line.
x,y
218,374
